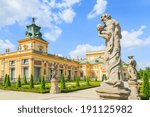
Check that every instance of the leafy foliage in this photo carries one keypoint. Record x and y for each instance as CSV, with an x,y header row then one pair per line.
x,y
87,80
63,85
146,86
18,82
7,83
43,83
25,79
31,82
77,82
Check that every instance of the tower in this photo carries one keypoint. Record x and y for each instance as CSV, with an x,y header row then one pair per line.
x,y
33,39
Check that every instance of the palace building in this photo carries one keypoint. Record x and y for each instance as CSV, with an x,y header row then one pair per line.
x,y
32,57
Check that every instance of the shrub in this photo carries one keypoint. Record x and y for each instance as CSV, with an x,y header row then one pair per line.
x,y
77,82
39,80
95,79
25,79
87,80
63,85
146,86
18,82
43,83
74,78
5,79
31,82
68,78
84,78
8,83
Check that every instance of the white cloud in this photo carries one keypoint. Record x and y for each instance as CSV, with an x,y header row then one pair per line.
x,y
98,9
81,50
53,35
133,38
67,15
48,13
5,44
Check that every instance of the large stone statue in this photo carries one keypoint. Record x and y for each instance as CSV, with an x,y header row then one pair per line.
x,y
133,76
111,32
114,87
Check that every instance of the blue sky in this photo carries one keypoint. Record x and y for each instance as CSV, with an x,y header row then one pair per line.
x,y
70,25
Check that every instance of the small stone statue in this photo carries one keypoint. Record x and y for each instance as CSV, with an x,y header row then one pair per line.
x,y
132,69
54,82
54,70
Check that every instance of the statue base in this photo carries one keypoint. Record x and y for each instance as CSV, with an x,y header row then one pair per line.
x,y
54,87
110,92
134,90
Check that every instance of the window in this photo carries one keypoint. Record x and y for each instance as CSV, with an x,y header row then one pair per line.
x,y
12,63
26,72
25,61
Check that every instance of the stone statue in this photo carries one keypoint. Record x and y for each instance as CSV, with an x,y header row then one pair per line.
x,y
132,69
54,81
114,87
111,32
54,70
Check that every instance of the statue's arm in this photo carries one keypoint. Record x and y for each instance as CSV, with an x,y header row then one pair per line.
x,y
105,34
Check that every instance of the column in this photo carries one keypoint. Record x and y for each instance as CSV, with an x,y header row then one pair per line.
x,y
31,67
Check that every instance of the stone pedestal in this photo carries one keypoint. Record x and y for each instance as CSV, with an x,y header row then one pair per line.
x,y
134,90
54,87
109,92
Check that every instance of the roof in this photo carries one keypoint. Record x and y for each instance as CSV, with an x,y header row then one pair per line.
x,y
94,61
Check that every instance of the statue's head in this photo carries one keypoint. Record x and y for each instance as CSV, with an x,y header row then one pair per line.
x,y
105,17
130,57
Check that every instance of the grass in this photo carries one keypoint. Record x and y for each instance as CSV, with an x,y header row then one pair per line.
x,y
70,87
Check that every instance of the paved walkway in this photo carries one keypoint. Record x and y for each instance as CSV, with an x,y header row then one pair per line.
x,y
87,94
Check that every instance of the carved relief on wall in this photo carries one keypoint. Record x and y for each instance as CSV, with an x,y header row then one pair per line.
x,y
40,47
25,47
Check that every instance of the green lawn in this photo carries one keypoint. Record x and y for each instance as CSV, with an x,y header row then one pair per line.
x,y
70,86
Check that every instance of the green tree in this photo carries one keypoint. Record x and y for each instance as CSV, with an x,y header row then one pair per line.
x,y
77,82
63,84
140,74
43,83
39,80
146,86
68,78
8,83
96,79
25,79
31,82
74,78
5,79
84,78
88,80
18,82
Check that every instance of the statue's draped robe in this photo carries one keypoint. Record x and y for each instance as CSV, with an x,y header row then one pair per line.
x,y
112,34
